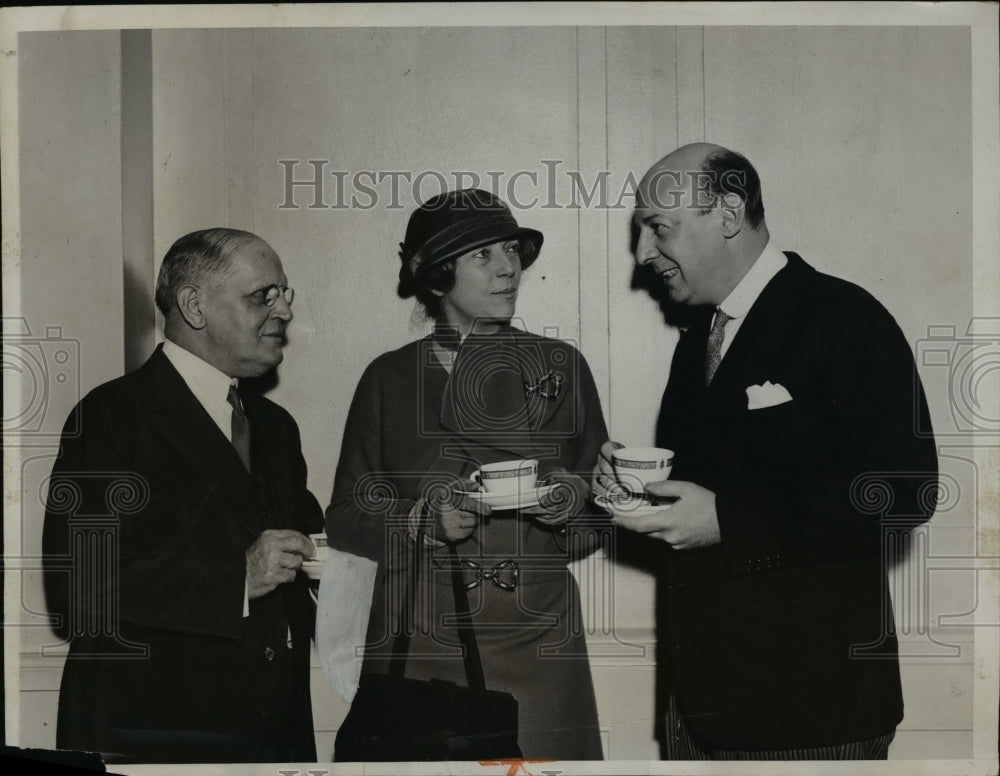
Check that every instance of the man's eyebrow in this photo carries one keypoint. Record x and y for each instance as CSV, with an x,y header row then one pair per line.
x,y
265,288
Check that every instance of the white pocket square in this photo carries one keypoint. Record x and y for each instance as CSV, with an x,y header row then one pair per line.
x,y
767,395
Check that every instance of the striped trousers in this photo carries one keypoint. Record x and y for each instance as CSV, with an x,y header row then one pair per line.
x,y
679,745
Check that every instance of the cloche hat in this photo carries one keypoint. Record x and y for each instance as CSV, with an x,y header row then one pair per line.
x,y
456,222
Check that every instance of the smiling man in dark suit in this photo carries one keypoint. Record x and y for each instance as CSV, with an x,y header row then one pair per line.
x,y
175,525
788,394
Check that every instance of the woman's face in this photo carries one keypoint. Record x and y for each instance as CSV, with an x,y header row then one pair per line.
x,y
485,291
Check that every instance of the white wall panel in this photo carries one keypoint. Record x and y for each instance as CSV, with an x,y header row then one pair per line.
x,y
189,149
71,271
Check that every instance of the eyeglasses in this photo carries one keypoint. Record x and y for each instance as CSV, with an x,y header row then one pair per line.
x,y
268,296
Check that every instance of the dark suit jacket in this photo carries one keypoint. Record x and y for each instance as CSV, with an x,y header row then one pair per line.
x,y
782,636
149,517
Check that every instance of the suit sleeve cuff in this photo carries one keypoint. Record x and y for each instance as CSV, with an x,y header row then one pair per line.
x,y
246,596
747,542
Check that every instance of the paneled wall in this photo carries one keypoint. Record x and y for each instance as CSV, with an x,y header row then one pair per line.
x,y
70,275
861,137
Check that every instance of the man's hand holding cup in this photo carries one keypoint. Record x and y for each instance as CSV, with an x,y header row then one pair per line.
x,y
638,477
274,559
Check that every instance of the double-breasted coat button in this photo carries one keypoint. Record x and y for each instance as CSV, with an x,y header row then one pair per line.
x,y
269,654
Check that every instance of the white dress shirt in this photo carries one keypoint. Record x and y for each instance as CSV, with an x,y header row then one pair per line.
x,y
770,262
211,388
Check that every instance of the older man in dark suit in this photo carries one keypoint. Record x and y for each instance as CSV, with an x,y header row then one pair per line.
x,y
176,523
789,394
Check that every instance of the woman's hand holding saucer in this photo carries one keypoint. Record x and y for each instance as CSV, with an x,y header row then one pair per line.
x,y
454,517
560,503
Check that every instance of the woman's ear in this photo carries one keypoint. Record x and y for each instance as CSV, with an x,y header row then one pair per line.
x,y
189,303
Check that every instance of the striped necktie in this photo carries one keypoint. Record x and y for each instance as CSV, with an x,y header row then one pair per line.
x,y
240,427
713,354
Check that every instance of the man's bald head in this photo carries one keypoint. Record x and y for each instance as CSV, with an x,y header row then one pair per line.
x,y
687,158
698,175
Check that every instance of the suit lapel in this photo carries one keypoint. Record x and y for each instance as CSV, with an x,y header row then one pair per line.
x,y
273,462
184,423
765,337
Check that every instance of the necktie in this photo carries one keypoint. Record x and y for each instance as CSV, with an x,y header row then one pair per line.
x,y
240,427
714,353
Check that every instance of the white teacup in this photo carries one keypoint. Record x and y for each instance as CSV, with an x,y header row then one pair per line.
x,y
507,477
636,467
322,548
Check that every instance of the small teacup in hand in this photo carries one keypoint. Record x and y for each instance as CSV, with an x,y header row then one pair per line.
x,y
322,548
636,467
507,477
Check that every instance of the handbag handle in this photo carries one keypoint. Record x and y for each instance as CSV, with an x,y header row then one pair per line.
x,y
466,631
463,620
401,644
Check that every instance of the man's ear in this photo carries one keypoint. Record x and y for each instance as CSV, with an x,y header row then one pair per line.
x,y
733,215
189,304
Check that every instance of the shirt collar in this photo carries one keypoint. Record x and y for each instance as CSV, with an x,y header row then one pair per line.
x,y
446,336
770,262
208,384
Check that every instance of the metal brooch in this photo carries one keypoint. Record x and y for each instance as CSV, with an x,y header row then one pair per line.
x,y
548,386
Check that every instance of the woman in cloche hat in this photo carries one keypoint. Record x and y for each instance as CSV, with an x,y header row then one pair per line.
x,y
478,391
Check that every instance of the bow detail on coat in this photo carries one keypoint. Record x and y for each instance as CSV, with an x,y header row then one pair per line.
x,y
503,575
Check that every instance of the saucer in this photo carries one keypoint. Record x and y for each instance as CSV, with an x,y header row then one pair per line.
x,y
632,507
520,500
313,568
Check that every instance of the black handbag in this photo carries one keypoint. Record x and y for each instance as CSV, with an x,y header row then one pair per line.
x,y
393,718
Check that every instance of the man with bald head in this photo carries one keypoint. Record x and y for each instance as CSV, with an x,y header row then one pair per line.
x,y
789,394
176,523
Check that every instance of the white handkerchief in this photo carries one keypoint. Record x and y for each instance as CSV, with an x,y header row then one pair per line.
x,y
767,395
345,601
